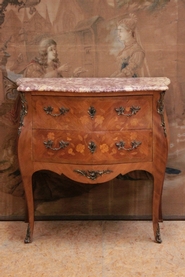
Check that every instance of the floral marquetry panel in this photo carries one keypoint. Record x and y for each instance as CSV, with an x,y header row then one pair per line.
x,y
106,113
78,148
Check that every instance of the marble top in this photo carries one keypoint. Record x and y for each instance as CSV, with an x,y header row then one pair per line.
x,y
93,84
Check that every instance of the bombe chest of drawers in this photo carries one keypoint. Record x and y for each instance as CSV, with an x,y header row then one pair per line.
x,y
91,130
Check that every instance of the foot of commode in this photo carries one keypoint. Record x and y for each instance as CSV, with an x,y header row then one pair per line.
x,y
28,235
158,235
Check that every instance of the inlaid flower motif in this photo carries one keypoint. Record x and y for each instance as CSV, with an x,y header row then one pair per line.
x,y
104,148
84,119
80,148
70,151
51,136
114,151
99,119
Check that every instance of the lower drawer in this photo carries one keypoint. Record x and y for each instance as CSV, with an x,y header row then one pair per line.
x,y
92,148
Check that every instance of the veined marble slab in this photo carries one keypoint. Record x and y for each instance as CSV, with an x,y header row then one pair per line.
x,y
93,84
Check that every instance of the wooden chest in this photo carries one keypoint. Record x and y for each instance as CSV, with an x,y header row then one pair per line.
x,y
92,130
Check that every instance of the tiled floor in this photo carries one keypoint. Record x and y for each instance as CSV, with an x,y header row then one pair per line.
x,y
92,249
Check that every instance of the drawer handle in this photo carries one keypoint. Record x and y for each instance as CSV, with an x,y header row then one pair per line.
x,y
49,111
134,144
133,111
62,145
91,174
91,111
92,146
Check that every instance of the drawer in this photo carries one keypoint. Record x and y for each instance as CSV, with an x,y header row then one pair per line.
x,y
122,113
92,113
92,148
63,113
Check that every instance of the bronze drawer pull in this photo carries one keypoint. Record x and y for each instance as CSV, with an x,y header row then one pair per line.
x,y
49,110
62,145
91,111
92,174
92,146
160,110
133,111
121,145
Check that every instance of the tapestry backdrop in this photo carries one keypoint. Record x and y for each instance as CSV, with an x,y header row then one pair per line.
x,y
94,38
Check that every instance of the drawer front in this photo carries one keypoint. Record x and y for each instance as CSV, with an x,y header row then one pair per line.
x,y
92,113
92,148
122,113
63,113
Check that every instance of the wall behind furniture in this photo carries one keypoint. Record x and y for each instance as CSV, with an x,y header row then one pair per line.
x,y
86,33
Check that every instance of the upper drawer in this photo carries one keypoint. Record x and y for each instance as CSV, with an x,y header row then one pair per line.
x,y
92,113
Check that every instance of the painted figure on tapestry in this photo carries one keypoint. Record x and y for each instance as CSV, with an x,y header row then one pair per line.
x,y
131,57
47,64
